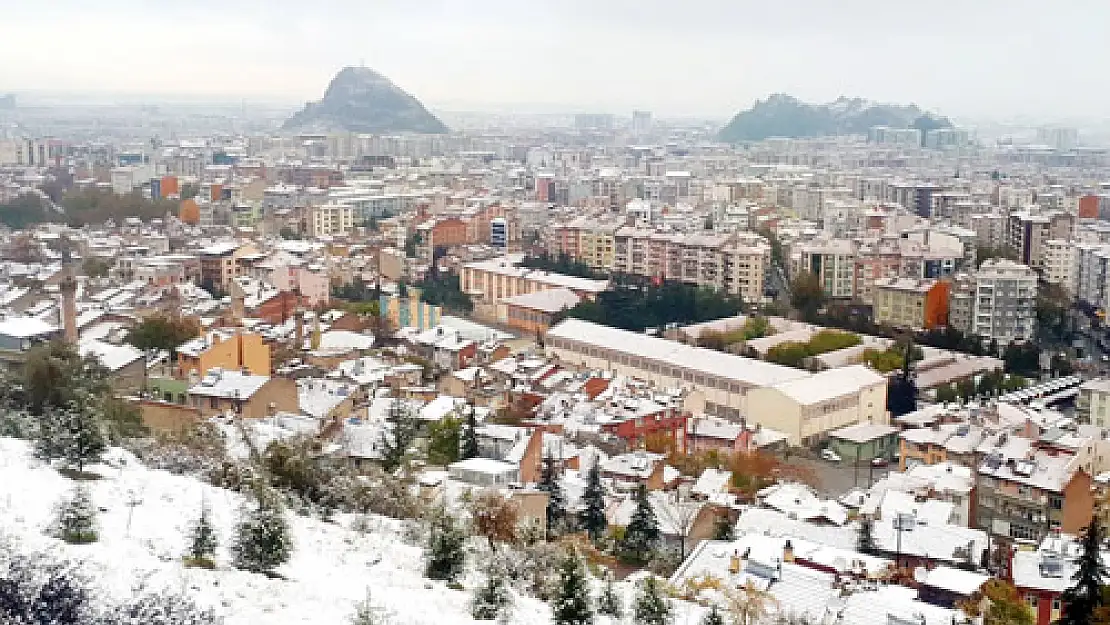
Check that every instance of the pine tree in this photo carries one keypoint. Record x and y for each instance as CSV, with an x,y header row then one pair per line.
x,y
469,436
262,537
445,554
1082,599
651,607
571,604
556,502
641,536
491,600
608,602
593,501
713,617
399,434
76,518
865,539
73,434
164,608
202,542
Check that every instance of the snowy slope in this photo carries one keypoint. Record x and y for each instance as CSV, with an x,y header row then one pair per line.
x,y
331,568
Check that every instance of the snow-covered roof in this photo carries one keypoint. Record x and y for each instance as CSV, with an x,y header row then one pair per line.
x,y
25,327
114,357
228,384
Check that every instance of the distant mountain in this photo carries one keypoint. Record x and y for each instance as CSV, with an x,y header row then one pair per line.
x,y
785,116
362,100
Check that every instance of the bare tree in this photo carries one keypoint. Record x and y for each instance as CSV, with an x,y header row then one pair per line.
x,y
749,605
679,515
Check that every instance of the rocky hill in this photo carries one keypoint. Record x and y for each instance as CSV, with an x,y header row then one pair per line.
x,y
785,116
362,100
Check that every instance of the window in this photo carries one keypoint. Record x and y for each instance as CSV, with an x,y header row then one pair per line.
x,y
1056,502
1056,604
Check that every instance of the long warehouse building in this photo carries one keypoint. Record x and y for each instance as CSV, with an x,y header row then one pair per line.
x,y
803,405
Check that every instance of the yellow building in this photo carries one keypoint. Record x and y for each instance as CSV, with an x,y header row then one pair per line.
x,y
230,351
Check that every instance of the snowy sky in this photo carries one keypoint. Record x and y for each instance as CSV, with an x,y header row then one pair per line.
x,y
983,58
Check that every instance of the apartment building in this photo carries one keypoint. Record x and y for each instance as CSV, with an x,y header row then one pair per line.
x,y
331,220
1027,232
734,263
502,277
1002,299
1061,259
833,262
1092,269
1092,405
910,303
1026,496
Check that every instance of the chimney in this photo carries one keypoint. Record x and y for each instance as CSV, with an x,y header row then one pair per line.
x,y
298,334
69,308
788,552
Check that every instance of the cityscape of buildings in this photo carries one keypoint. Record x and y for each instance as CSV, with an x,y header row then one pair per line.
x,y
495,275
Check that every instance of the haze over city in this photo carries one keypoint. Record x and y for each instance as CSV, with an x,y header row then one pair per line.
x,y
983,60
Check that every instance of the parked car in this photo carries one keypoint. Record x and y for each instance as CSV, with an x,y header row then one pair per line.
x,y
879,462
830,455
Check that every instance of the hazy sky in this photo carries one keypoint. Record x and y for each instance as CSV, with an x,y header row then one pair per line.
x,y
979,58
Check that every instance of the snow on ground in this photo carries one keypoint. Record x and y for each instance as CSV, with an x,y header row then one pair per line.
x,y
331,568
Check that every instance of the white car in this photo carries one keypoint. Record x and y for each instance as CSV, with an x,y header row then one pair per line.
x,y
830,455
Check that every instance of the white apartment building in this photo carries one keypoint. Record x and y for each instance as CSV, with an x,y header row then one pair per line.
x,y
333,220
1003,300
1061,259
832,261
1093,402
1092,268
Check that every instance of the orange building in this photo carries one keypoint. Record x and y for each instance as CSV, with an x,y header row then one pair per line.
x,y
169,186
448,233
230,351
1088,207
189,212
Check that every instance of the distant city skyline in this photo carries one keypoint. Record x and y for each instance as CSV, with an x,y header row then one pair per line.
x,y
704,58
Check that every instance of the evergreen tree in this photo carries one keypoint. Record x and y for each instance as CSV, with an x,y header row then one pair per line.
x,y
262,537
865,539
202,541
491,600
571,604
73,434
399,434
445,554
593,501
641,536
556,502
651,607
608,602
1082,599
713,617
469,436
76,518
723,528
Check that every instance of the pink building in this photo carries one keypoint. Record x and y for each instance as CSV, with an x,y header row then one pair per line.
x,y
314,285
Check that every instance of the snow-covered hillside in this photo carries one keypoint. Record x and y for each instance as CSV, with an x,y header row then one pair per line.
x,y
330,571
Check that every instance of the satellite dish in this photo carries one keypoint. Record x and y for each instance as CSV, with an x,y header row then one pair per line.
x,y
840,564
919,574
